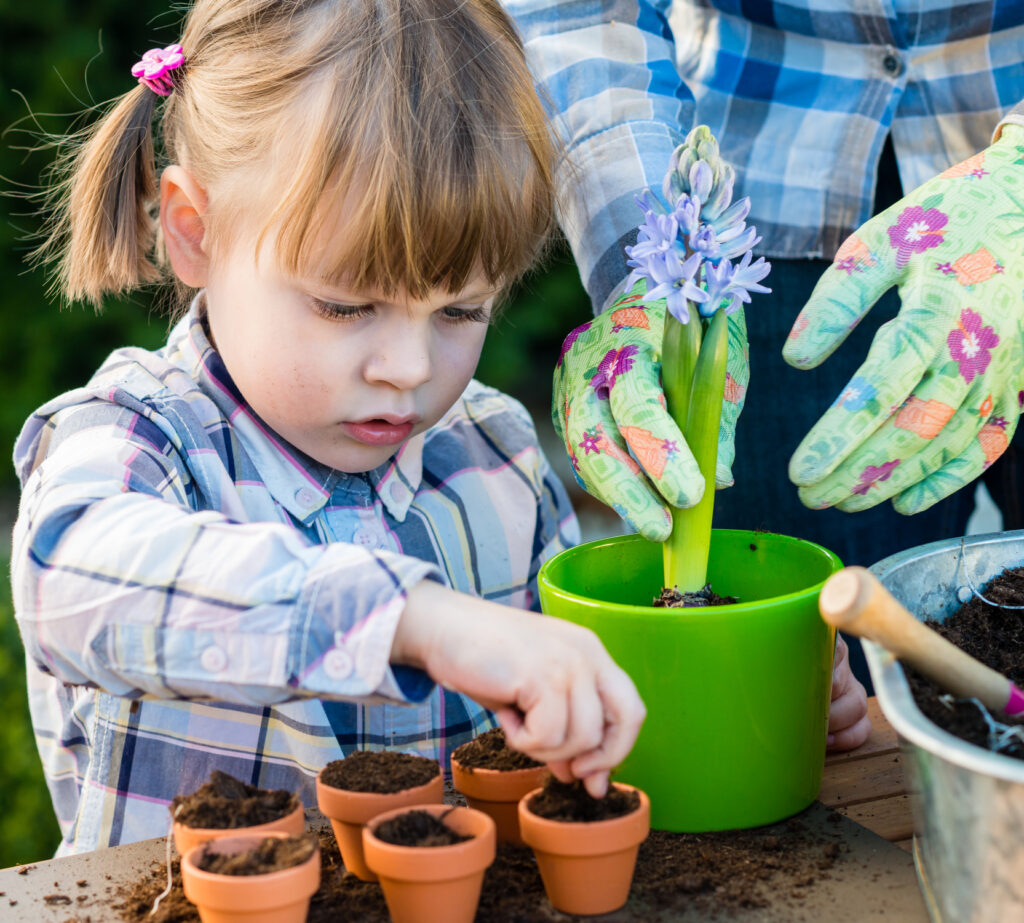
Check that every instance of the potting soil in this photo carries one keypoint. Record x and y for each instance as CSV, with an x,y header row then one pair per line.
x,y
226,802
490,751
714,876
571,802
991,634
273,854
418,828
672,598
382,772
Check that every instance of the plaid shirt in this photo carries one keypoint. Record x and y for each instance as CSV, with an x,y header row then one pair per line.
x,y
194,594
800,95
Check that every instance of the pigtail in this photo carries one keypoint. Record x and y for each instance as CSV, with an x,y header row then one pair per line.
x,y
103,229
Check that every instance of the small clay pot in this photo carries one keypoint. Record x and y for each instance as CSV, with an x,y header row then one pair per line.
x,y
423,884
587,867
348,811
277,897
497,793
186,838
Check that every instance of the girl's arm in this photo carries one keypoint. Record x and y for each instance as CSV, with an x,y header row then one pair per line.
x,y
608,71
119,583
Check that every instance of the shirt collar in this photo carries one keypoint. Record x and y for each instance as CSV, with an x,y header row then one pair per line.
x,y
299,483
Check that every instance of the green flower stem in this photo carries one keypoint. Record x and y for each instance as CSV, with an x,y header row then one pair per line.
x,y
694,390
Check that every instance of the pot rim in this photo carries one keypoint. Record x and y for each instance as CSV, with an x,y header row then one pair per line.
x,y
219,832
434,863
350,807
563,836
256,889
693,615
498,785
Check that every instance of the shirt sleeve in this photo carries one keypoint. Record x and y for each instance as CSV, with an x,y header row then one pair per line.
x,y
120,582
607,72
1014,117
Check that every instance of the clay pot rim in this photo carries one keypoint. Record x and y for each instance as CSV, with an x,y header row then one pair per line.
x,y
218,832
486,770
360,807
496,785
565,836
252,838
466,858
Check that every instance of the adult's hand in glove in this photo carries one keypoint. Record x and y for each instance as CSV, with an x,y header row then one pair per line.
x,y
609,409
938,397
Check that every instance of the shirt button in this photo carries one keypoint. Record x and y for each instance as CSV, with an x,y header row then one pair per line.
x,y
213,659
365,538
892,64
306,496
337,664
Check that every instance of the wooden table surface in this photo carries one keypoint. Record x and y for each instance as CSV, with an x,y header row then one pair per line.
x,y
876,882
867,784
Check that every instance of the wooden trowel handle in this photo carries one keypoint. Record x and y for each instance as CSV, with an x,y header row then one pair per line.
x,y
854,601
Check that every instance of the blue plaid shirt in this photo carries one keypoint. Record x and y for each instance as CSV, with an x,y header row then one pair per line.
x,y
194,594
800,95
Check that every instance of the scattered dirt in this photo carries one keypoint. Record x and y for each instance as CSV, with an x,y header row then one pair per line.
x,y
714,876
419,828
671,598
572,803
490,751
226,802
273,854
383,772
991,634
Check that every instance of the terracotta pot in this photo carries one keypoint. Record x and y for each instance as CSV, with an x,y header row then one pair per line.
x,y
587,868
277,897
187,838
349,811
497,793
425,884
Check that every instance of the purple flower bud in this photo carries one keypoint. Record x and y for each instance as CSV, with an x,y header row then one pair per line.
x,y
687,213
701,180
704,242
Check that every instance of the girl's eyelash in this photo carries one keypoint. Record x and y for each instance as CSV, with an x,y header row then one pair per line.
x,y
333,311
456,315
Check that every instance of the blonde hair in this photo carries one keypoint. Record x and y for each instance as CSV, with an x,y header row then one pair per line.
x,y
419,115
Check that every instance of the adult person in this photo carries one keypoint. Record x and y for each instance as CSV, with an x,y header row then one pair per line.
x,y
827,115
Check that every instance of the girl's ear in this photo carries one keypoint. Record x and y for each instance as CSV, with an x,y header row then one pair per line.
x,y
183,221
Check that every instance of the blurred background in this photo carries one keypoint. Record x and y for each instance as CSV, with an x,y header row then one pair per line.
x,y
58,60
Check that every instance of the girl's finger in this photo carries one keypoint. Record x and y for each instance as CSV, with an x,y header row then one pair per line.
x,y
848,709
851,737
624,713
542,731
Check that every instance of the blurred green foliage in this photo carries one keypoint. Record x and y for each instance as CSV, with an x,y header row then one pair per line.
x,y
58,60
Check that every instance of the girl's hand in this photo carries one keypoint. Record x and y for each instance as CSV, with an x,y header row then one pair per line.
x,y
848,723
558,695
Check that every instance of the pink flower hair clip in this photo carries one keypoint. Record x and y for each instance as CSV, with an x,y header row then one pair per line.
x,y
155,68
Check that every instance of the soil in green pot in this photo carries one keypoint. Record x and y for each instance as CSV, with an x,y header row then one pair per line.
x,y
382,772
490,751
671,598
273,854
993,635
570,802
226,802
418,828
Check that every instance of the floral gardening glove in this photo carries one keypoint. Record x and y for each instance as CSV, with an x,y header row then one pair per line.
x,y
609,410
938,397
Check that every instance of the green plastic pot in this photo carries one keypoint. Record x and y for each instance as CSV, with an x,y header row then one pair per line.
x,y
737,696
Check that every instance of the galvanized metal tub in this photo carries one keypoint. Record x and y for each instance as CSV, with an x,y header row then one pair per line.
x,y
968,803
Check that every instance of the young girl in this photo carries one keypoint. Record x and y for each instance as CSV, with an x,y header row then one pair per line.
x,y
286,534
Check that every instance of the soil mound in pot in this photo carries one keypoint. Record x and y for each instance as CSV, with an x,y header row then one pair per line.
x,y
993,635
418,828
673,598
571,802
382,772
272,855
490,751
226,802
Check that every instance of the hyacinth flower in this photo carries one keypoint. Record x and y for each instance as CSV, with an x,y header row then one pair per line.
x,y
693,250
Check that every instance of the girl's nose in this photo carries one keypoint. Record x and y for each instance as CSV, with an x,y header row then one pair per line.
x,y
402,360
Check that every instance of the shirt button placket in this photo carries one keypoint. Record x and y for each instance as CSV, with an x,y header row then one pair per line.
x,y
892,63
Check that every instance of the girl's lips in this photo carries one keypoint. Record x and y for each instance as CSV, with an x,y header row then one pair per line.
x,y
378,432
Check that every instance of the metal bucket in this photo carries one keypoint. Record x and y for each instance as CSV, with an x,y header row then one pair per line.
x,y
968,803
